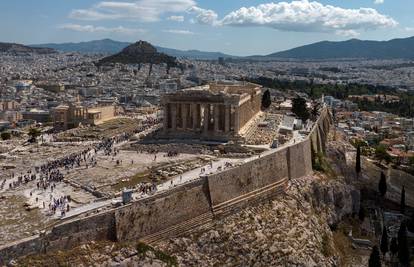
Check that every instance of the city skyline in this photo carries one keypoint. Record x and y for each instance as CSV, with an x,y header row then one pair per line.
x,y
206,25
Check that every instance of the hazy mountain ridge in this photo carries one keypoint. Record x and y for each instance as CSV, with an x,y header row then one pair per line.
x,y
354,48
19,48
108,46
350,49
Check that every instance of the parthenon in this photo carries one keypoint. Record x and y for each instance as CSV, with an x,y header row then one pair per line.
x,y
213,111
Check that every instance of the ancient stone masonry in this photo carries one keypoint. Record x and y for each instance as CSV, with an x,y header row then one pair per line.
x,y
214,111
195,204
71,115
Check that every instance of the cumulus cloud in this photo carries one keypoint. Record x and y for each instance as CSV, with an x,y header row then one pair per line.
x,y
141,10
379,2
176,18
204,16
300,16
94,29
183,32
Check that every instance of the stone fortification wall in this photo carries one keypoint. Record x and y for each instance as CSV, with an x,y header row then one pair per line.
x,y
78,231
237,187
253,175
299,159
319,133
151,215
63,236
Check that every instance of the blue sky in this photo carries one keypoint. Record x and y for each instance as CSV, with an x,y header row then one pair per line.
x,y
242,27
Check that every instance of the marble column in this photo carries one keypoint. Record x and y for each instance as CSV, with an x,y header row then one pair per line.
x,y
236,120
184,116
216,118
165,118
227,111
173,116
195,110
189,116
206,120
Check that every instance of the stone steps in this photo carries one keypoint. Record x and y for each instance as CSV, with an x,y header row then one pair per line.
x,y
202,221
251,198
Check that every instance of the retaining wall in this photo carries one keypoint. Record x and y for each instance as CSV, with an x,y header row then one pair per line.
x,y
250,176
63,236
153,214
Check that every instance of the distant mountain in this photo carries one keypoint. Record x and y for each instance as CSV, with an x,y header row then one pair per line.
x,y
19,48
193,54
105,46
354,48
137,53
109,46
350,49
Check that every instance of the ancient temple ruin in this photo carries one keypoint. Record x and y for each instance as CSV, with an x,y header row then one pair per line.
x,y
216,111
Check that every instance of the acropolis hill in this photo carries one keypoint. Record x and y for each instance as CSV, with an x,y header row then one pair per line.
x,y
139,183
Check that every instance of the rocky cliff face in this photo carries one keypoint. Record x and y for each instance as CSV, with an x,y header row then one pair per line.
x,y
293,230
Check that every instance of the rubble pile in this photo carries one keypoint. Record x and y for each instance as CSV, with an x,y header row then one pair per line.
x,y
180,168
266,131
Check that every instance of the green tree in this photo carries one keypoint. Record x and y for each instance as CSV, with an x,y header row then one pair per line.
x,y
315,111
384,241
374,258
382,185
5,135
403,249
358,160
300,109
382,154
266,100
33,133
402,202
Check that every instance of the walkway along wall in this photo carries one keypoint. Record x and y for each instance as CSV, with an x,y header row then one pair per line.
x,y
174,211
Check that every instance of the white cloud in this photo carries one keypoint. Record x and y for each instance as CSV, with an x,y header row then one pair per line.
x,y
204,16
379,2
183,32
300,16
176,18
140,10
94,29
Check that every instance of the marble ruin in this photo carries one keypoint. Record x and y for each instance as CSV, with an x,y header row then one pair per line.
x,y
71,115
214,111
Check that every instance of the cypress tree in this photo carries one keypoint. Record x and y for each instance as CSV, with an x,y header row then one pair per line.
x,y
358,160
266,99
402,203
382,185
374,259
300,109
384,241
403,249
